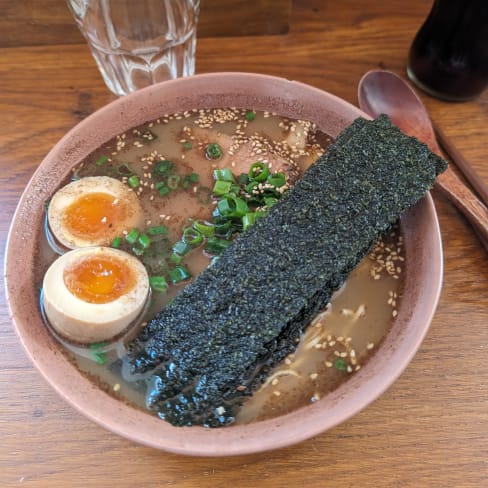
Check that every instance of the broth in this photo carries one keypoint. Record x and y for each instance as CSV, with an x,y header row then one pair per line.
x,y
339,340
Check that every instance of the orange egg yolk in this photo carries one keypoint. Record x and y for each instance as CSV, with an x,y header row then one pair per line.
x,y
94,215
99,279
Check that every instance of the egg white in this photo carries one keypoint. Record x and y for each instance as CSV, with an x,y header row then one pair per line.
x,y
82,322
70,193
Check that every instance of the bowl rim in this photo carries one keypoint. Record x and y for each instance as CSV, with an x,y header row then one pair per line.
x,y
364,387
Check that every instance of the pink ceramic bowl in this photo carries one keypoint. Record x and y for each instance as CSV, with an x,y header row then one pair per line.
x,y
287,98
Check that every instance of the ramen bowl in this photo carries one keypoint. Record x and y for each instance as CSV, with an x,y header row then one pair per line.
x,y
421,280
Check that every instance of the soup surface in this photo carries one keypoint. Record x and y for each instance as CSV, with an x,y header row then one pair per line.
x,y
179,167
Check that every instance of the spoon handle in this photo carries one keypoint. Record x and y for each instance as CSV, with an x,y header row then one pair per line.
x,y
466,202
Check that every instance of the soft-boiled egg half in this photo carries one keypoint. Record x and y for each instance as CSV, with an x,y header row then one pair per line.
x,y
93,294
92,211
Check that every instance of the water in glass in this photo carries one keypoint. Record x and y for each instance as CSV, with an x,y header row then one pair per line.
x,y
138,43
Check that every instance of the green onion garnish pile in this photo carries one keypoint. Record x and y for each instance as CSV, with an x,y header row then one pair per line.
x,y
239,202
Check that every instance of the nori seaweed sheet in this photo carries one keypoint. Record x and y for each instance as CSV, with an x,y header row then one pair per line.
x,y
246,312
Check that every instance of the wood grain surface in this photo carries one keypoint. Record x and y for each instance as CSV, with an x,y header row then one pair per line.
x,y
430,429
49,22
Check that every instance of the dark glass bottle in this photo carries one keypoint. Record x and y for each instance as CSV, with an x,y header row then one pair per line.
x,y
449,56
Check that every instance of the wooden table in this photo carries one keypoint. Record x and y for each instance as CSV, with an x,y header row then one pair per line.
x,y
429,429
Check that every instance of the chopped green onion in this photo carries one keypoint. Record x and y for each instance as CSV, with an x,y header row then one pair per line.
x,y
117,241
216,246
175,258
174,181
232,206
157,230
270,201
133,181
251,186
187,145
277,179
258,171
224,174
223,228
243,179
221,187
160,184
194,177
158,283
181,248
192,237
163,167
178,274
99,357
340,364
164,190
132,236
213,151
205,228
226,206
186,182
101,160
250,115
248,220
144,241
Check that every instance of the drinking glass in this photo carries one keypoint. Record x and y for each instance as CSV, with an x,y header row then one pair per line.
x,y
136,43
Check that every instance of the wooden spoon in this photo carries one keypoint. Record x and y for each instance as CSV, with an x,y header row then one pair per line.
x,y
383,92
